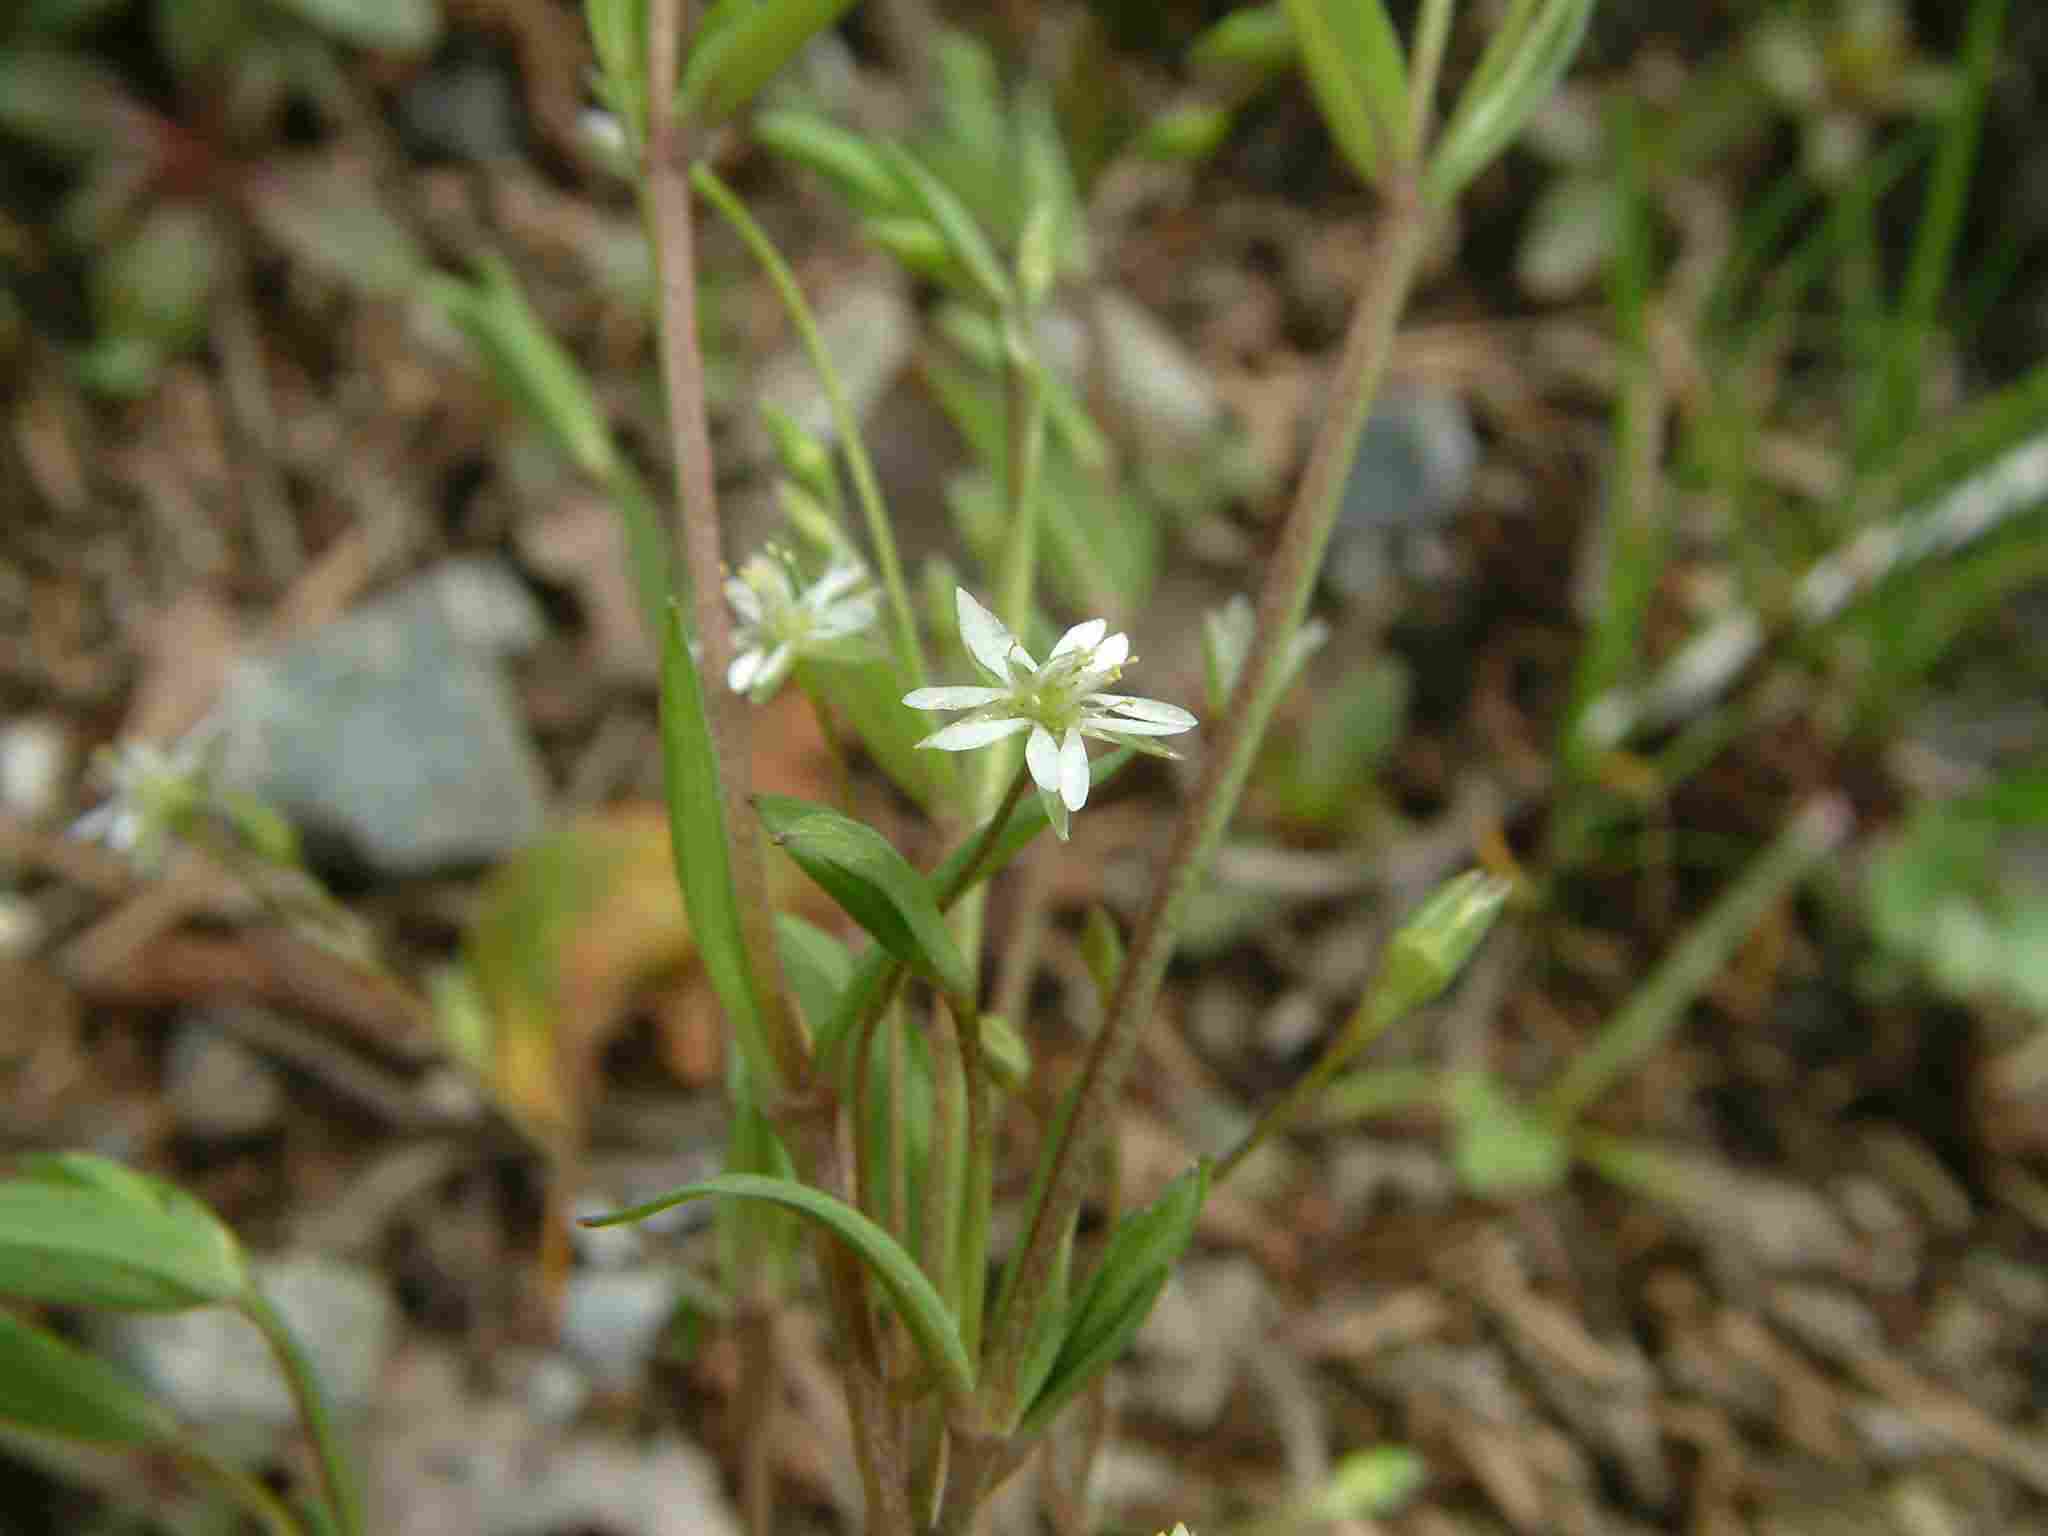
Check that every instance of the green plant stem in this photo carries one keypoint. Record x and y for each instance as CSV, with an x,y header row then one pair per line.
x,y
810,1124
1659,1004
1023,464
945,1174
674,243
1934,243
315,1412
1368,1021
881,532
1432,33
268,1510
971,1228
1283,604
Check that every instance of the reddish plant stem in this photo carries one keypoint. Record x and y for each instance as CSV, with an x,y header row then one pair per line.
x,y
1283,603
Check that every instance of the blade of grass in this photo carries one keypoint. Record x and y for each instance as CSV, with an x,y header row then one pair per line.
x,y
1893,403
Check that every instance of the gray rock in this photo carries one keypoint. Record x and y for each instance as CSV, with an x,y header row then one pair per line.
x,y
392,731
1191,1347
217,1087
464,109
444,1459
1414,468
612,1319
213,1367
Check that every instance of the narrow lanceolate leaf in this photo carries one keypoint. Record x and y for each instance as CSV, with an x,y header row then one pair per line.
x,y
948,883
77,1230
815,964
730,63
930,1323
52,1388
1515,76
1353,58
696,827
950,217
1118,1299
842,157
856,867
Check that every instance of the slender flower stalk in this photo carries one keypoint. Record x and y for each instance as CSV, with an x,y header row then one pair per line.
x,y
1282,608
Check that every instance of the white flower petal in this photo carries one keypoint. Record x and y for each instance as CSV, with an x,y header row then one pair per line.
x,y
846,618
744,669
1113,652
1073,771
1043,755
745,602
1144,709
835,583
1082,637
952,698
773,671
987,641
1118,724
966,735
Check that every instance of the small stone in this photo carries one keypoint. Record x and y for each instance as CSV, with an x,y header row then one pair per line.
x,y
35,759
389,731
1413,469
1222,1018
213,1367
1291,1025
613,1318
21,926
218,1088
555,1388
464,109
1191,1346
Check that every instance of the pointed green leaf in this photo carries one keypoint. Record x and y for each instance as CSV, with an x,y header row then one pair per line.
x,y
1119,1298
78,1230
918,1303
530,365
1081,1360
841,156
856,867
696,826
52,1388
1353,58
963,237
815,964
1515,76
1255,39
731,62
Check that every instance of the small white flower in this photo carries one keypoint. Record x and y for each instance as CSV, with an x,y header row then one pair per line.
x,y
1059,703
780,623
153,790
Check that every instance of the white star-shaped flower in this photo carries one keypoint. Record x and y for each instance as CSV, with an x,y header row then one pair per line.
x,y
153,789
1059,703
780,623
